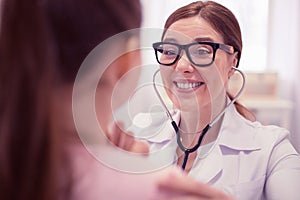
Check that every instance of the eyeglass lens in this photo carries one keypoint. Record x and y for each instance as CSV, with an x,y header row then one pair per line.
x,y
199,54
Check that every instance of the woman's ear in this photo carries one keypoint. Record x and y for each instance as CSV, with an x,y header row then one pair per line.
x,y
235,59
234,63
231,71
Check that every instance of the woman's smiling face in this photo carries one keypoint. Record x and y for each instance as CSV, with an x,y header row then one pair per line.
x,y
188,85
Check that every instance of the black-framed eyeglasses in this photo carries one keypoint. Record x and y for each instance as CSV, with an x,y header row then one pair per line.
x,y
200,54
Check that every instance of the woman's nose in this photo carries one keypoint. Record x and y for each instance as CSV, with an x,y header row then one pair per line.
x,y
184,65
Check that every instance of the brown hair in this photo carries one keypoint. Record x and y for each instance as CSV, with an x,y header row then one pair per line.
x,y
224,22
42,43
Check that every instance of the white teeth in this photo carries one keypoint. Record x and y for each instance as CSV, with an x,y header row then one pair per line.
x,y
187,85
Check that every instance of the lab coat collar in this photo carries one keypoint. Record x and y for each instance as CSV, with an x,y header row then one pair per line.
x,y
212,165
236,132
167,132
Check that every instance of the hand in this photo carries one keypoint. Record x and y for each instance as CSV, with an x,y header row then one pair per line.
x,y
125,140
178,186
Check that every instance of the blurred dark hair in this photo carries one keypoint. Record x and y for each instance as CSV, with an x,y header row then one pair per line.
x,y
86,24
224,22
43,42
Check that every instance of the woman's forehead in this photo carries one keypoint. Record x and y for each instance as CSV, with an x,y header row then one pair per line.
x,y
191,29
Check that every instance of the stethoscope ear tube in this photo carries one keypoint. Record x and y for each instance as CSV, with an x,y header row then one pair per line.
x,y
187,151
159,96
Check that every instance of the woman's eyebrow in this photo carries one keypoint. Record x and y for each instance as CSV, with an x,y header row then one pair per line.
x,y
170,40
204,39
200,39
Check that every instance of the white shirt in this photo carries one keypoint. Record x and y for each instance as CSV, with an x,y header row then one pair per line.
x,y
248,160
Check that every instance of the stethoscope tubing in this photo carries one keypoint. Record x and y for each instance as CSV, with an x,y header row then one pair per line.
x,y
187,151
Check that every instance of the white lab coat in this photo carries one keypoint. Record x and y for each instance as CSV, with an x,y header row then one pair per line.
x,y
248,160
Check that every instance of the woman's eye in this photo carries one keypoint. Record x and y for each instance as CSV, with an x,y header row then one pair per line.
x,y
169,52
202,51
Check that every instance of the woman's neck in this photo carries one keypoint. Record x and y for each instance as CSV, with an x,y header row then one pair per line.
x,y
192,123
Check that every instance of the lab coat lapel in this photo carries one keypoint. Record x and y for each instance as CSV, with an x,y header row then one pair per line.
x,y
235,132
210,168
234,136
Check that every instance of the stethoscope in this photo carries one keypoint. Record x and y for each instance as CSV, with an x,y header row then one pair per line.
x,y
187,151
